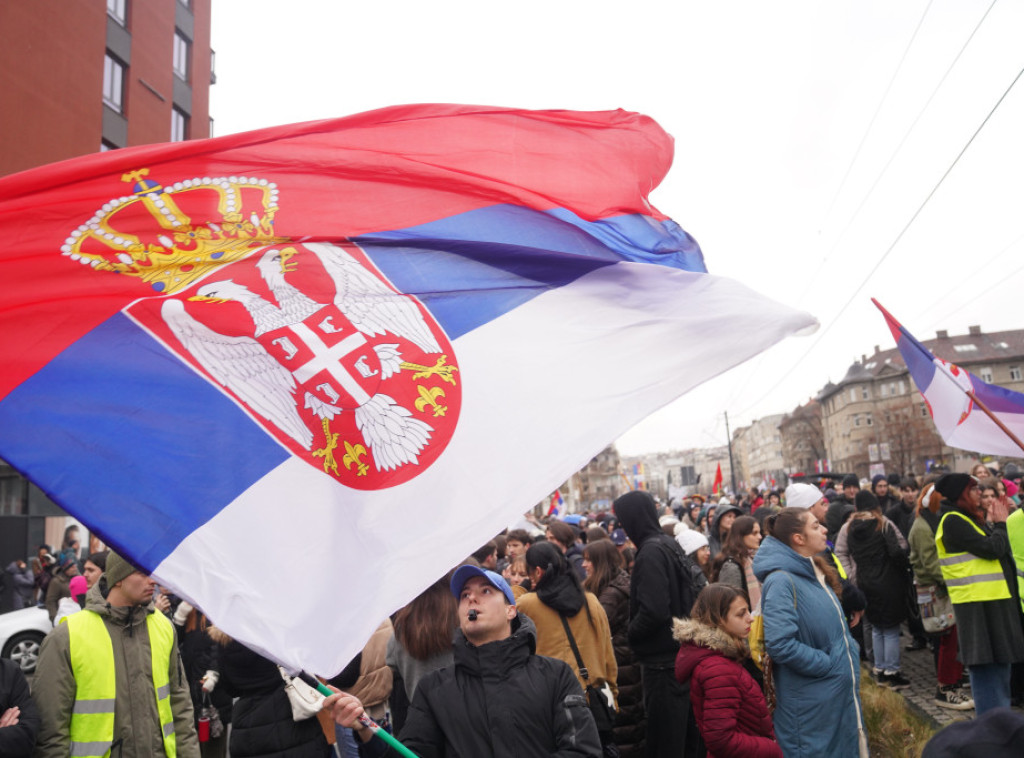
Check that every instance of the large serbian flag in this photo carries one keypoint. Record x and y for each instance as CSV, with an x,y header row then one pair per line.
x,y
955,397
299,373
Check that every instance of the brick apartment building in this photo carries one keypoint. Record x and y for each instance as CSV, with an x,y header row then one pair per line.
x,y
77,77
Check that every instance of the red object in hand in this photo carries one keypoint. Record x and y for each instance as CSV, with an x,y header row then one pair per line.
x,y
204,729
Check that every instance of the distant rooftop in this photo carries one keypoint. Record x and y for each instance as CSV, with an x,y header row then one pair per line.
x,y
970,349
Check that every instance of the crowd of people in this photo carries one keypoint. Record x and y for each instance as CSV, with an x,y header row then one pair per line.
x,y
731,628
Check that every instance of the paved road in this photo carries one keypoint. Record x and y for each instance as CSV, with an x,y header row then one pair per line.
x,y
919,668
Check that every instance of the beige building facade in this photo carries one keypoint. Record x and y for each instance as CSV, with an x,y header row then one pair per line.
x,y
875,420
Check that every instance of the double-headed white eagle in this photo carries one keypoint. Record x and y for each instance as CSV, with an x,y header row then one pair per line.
x,y
243,365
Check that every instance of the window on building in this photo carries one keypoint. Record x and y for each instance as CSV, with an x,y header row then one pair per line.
x,y
179,125
903,387
856,419
853,394
182,50
924,409
1014,373
885,390
966,348
985,374
865,393
116,10
113,83
867,419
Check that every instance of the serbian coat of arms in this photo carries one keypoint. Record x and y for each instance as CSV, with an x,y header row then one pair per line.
x,y
351,375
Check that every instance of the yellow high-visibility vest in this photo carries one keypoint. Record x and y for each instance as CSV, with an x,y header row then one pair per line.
x,y
838,563
92,662
970,579
1015,531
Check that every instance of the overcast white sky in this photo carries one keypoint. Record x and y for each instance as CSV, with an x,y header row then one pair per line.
x,y
788,119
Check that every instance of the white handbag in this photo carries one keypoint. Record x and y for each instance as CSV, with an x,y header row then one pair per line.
x,y
306,701
936,612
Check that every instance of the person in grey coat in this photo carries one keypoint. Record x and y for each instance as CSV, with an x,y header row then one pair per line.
x,y
24,584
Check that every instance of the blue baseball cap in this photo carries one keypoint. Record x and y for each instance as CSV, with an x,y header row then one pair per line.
x,y
464,573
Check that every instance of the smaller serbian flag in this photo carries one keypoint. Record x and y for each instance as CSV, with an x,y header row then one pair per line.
x,y
717,486
556,504
958,400
639,482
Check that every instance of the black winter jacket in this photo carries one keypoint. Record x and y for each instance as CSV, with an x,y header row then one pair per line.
x,y
199,654
661,586
902,516
17,741
630,721
261,719
881,569
500,700
837,514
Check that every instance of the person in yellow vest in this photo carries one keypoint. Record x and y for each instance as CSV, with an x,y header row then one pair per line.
x,y
110,680
1015,533
979,573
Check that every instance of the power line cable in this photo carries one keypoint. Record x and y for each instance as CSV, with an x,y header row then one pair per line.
x,y
941,301
978,297
809,281
906,136
878,110
885,255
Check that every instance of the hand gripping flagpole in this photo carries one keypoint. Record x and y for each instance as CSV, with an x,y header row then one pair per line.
x,y
365,720
944,369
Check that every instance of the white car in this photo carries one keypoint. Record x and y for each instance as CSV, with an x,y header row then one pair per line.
x,y
21,634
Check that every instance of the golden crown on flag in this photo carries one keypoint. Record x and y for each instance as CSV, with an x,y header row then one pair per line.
x,y
237,213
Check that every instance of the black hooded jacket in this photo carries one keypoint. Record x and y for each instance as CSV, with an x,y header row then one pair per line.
x,y
661,586
881,568
501,700
714,540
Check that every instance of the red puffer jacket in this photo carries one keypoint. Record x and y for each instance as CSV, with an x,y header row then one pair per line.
x,y
728,703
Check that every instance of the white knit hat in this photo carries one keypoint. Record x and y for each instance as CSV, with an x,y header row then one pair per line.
x,y
691,541
801,495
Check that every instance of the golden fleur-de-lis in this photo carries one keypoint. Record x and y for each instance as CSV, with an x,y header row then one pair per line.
x,y
440,369
327,451
429,397
352,455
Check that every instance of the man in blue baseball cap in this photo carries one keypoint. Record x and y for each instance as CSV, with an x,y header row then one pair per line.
x,y
495,665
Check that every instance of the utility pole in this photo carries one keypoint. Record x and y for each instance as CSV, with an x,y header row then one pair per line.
x,y
732,468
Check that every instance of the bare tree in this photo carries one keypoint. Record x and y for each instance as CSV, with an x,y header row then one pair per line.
x,y
911,435
803,437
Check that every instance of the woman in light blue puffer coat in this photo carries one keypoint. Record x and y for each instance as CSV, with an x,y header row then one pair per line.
x,y
816,662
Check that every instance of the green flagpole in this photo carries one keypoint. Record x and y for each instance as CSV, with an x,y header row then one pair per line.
x,y
365,720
